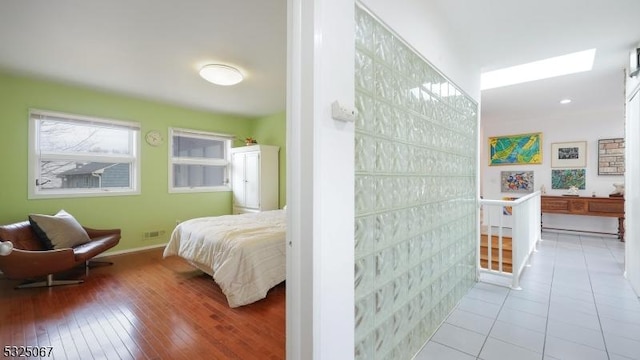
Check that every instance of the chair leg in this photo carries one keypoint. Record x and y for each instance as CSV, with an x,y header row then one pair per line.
x,y
49,282
95,263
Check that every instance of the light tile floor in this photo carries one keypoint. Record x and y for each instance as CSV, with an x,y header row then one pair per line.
x,y
575,305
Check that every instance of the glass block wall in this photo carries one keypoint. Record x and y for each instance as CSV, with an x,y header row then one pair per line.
x,y
415,195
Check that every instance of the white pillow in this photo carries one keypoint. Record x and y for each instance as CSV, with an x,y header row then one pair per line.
x,y
59,231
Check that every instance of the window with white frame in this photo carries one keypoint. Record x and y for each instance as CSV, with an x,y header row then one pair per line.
x,y
198,161
73,155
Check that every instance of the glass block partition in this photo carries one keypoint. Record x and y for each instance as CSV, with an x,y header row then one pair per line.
x,y
415,194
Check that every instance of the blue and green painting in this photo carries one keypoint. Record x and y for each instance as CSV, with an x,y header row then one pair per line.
x,y
564,179
515,149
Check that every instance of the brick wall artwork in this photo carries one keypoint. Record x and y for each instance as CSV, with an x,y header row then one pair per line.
x,y
611,156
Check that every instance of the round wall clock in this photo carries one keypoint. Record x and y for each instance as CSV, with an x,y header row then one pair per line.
x,y
154,138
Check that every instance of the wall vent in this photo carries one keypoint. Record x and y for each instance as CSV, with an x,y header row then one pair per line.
x,y
149,235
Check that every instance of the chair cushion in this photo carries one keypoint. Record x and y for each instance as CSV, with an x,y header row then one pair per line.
x,y
59,231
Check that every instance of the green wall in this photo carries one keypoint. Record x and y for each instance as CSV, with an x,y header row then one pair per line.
x,y
272,130
154,209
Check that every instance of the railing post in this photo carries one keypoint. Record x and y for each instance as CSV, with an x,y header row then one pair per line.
x,y
479,245
489,239
516,233
500,233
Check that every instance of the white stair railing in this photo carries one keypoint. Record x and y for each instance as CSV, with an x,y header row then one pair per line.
x,y
523,225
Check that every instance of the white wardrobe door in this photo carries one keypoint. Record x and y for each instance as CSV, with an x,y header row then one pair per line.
x,y
238,179
252,177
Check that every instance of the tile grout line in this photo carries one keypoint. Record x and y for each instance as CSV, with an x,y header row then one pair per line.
x,y
618,263
591,266
595,303
493,324
502,306
553,273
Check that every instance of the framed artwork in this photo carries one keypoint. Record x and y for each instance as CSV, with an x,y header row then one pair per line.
x,y
611,156
569,154
564,179
523,149
516,181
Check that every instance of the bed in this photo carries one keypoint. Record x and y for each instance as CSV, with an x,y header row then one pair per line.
x,y
245,254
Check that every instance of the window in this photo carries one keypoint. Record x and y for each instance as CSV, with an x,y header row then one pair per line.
x,y
198,161
72,155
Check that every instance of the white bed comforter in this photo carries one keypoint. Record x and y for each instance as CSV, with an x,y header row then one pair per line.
x,y
244,253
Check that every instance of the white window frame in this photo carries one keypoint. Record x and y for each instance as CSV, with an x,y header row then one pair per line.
x,y
35,156
176,160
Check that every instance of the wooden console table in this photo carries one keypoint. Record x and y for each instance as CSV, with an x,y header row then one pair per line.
x,y
591,206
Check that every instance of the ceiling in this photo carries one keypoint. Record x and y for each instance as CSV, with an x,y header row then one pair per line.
x,y
503,33
154,48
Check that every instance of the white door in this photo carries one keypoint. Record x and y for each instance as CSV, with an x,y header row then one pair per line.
x,y
237,179
252,180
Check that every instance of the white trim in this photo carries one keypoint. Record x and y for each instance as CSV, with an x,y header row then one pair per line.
x,y
133,125
320,167
129,251
200,161
53,194
200,189
632,194
85,157
221,162
34,158
299,293
203,134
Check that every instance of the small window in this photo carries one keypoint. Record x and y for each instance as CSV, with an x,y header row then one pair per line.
x,y
72,155
198,161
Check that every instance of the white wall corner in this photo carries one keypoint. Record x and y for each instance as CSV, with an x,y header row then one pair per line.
x,y
320,179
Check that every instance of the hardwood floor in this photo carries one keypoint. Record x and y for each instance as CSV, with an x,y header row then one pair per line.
x,y
142,307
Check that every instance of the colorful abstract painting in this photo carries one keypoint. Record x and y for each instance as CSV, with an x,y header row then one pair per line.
x,y
515,149
564,179
516,181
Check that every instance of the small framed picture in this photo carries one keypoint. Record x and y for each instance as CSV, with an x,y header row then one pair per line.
x,y
516,181
566,178
569,154
611,156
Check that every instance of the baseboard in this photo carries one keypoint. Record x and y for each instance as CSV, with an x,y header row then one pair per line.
x,y
129,251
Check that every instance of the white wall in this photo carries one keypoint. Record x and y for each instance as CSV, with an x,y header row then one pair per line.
x,y
320,180
587,127
632,179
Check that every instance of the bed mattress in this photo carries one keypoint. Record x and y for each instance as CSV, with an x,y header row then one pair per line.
x,y
245,254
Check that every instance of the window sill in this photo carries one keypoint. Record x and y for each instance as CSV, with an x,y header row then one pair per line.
x,y
199,190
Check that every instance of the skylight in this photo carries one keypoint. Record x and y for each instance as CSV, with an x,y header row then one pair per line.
x,y
543,69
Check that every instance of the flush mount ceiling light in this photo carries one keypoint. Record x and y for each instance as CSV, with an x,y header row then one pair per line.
x,y
565,101
219,74
543,69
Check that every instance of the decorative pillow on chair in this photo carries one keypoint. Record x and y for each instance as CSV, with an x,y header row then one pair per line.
x,y
59,231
